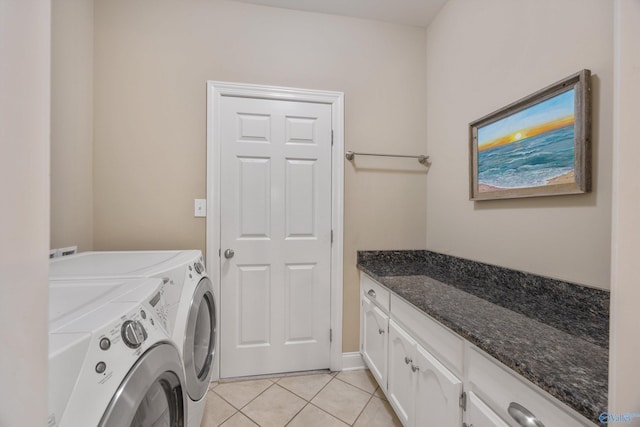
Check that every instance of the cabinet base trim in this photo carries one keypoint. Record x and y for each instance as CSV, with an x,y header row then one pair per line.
x,y
352,361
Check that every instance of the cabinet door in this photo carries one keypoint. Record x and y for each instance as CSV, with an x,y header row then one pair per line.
x,y
478,414
374,336
400,389
437,392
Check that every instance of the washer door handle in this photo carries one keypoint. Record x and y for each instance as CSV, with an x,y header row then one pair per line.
x,y
229,253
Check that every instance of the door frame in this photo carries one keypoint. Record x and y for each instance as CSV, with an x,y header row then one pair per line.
x,y
215,91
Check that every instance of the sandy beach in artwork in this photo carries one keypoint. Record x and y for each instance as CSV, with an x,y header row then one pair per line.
x,y
567,178
485,188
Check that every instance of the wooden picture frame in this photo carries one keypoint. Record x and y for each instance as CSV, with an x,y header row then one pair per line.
x,y
537,146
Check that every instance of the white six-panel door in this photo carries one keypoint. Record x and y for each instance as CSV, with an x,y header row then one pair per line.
x,y
275,202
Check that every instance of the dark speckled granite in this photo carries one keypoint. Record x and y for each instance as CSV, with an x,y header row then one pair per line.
x,y
553,333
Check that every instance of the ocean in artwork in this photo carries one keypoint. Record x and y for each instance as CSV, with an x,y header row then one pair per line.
x,y
532,148
531,162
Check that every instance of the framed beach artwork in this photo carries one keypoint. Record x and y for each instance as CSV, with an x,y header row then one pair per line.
x,y
537,146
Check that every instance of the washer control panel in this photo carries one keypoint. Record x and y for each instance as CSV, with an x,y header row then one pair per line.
x,y
159,306
113,349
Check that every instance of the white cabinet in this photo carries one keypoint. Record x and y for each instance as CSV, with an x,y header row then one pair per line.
x,y
375,323
437,392
400,385
418,363
421,390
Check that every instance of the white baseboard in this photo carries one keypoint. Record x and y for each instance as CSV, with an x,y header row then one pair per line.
x,y
352,361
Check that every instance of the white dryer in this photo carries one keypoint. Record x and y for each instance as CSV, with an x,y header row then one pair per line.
x,y
111,361
192,311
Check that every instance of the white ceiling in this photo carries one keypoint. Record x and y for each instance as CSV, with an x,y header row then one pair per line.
x,y
407,12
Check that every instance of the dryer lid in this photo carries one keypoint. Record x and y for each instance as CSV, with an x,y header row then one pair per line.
x,y
72,300
118,264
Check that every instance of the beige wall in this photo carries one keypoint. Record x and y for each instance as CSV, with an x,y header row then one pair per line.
x,y
25,46
152,59
624,376
72,124
482,56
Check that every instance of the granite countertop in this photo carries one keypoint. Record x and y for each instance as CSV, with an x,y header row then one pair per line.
x,y
553,333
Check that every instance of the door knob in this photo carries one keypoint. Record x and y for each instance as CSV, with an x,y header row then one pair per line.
x,y
229,253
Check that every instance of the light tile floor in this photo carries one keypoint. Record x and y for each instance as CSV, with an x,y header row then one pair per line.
x,y
350,398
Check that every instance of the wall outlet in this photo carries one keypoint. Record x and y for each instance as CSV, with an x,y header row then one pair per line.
x,y
200,207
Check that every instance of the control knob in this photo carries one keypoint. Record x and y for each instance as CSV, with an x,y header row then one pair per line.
x,y
199,267
133,333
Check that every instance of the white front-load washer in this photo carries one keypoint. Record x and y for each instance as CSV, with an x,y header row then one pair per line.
x,y
111,360
192,311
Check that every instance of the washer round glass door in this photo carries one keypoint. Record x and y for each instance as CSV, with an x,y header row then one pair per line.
x,y
151,394
200,340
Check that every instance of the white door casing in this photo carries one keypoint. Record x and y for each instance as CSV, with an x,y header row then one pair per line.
x,y
274,194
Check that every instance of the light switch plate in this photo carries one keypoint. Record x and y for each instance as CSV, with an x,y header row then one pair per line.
x,y
200,207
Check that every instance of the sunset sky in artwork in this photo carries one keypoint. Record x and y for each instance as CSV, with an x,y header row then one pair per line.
x,y
554,113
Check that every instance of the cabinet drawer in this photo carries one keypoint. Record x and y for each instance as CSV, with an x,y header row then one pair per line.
x,y
444,344
499,387
477,414
375,292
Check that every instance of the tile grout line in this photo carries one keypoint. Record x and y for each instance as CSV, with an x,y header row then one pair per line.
x,y
275,381
250,419
312,397
363,409
371,396
359,388
248,403
297,413
244,406
335,416
330,414
228,403
309,401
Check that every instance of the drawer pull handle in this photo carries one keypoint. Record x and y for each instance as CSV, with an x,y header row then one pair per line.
x,y
371,293
523,416
415,368
407,360
381,331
